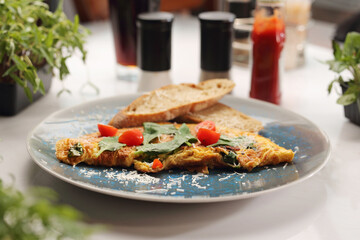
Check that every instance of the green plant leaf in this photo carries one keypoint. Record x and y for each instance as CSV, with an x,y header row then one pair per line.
x,y
76,23
28,93
346,99
336,80
331,85
21,65
48,57
63,68
336,50
41,87
352,43
11,48
30,76
2,47
10,70
18,80
31,35
49,39
337,66
59,9
36,215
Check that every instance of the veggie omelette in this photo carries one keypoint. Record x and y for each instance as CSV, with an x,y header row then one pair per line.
x,y
157,147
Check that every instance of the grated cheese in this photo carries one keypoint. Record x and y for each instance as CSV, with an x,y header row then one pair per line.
x,y
285,165
296,149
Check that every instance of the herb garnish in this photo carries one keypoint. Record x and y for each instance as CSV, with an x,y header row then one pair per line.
x,y
230,158
154,130
182,136
109,144
241,142
76,150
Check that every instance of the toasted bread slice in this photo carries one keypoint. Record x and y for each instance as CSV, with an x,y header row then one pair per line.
x,y
223,115
171,101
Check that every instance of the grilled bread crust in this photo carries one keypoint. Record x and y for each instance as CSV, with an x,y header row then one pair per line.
x,y
223,115
171,101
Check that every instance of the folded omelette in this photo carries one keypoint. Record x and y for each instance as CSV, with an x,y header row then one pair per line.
x,y
174,146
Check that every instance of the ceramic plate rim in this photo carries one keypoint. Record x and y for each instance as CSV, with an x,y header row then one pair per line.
x,y
172,199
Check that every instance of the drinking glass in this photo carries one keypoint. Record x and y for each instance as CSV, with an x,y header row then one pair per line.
x,y
123,15
297,16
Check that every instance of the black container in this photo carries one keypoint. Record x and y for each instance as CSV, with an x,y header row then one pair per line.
x,y
13,98
154,41
216,40
352,111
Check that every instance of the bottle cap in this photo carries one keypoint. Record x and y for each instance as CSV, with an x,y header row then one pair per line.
x,y
154,41
216,40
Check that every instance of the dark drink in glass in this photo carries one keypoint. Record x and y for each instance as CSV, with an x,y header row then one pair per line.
x,y
123,15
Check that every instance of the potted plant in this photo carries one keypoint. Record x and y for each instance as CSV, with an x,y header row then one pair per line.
x,y
37,214
347,61
33,43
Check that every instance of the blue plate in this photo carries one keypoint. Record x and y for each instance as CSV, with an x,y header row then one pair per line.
x,y
285,128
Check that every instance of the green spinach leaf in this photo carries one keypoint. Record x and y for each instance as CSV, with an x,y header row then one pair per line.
x,y
76,150
182,136
109,144
230,158
243,142
154,130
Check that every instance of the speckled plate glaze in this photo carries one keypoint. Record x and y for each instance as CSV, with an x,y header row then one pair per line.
x,y
284,127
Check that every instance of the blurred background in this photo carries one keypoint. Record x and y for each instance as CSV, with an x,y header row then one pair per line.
x,y
327,15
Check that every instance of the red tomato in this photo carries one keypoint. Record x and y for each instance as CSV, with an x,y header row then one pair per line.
x,y
106,130
157,164
132,137
207,137
206,124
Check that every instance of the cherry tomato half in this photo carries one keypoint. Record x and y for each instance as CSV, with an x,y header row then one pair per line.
x,y
106,130
207,137
157,164
132,137
206,124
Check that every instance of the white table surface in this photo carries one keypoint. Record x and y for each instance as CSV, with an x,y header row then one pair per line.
x,y
326,206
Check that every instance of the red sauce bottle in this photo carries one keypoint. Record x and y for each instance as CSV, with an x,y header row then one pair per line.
x,y
268,38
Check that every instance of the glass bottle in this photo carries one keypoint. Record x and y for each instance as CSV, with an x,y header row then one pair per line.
x,y
241,44
123,15
268,37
